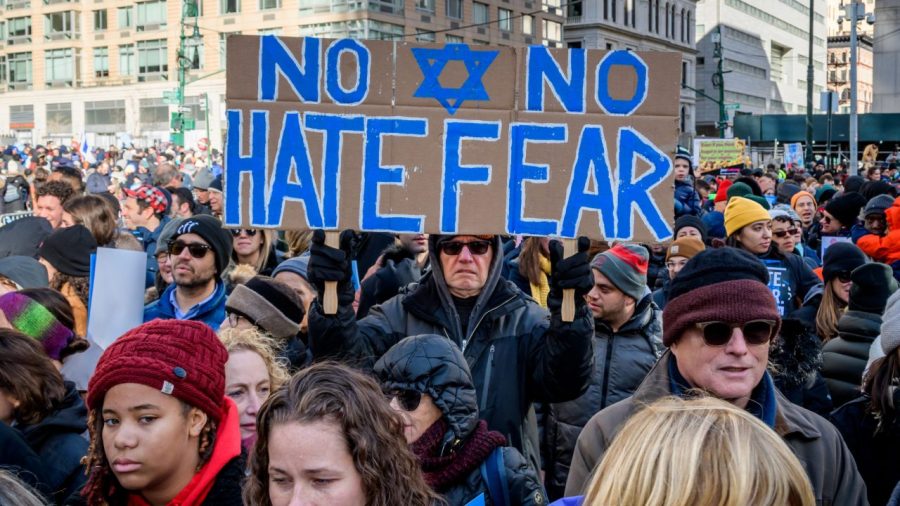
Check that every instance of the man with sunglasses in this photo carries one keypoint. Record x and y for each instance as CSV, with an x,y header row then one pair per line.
x,y
199,251
518,355
718,326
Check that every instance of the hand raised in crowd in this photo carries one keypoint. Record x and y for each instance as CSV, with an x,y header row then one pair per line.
x,y
573,272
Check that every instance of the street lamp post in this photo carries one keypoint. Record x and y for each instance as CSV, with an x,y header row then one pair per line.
x,y
854,12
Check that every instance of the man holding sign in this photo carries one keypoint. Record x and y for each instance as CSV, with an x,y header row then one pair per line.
x,y
516,354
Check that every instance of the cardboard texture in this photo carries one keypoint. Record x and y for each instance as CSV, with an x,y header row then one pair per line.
x,y
715,154
403,137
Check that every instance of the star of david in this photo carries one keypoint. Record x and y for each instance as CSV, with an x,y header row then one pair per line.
x,y
432,63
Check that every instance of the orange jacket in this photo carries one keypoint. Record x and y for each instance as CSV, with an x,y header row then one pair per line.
x,y
887,248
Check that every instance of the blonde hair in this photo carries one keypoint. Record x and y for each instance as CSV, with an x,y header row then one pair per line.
x,y
261,344
298,242
678,452
265,249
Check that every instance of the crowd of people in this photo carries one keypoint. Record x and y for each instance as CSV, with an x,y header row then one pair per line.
x,y
753,359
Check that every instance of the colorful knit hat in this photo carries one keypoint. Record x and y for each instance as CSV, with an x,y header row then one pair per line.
x,y
34,320
625,265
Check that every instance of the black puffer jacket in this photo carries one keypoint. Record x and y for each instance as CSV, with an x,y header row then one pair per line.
x,y
621,360
845,356
433,365
518,354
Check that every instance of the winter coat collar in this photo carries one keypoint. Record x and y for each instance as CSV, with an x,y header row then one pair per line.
x,y
70,416
645,313
859,326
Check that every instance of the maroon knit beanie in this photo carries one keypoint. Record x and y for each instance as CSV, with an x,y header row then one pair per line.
x,y
179,357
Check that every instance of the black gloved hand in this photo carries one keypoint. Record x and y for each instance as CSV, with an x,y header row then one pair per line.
x,y
326,263
573,272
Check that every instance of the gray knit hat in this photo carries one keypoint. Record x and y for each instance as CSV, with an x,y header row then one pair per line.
x,y
878,204
890,324
625,265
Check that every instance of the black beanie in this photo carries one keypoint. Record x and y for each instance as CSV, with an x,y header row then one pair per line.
x,y
845,208
269,304
69,250
872,189
785,191
873,285
715,266
210,229
689,220
853,183
841,257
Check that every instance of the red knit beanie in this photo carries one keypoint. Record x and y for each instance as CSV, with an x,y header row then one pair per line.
x,y
181,358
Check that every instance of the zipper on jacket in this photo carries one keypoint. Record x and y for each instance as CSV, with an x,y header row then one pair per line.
x,y
465,342
487,379
607,361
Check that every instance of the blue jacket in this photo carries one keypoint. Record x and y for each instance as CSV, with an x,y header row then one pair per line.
x,y
148,240
687,200
211,312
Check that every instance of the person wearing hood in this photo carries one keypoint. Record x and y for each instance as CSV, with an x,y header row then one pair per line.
x,y
46,410
517,354
885,248
844,357
19,272
436,399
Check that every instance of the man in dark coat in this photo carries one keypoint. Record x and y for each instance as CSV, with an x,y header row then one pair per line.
x,y
518,353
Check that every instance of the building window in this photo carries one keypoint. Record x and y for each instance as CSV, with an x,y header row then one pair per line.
x,y
100,22
504,17
425,5
682,25
105,116
101,62
453,39
269,4
223,44
552,31
59,118
59,67
574,9
605,9
667,19
672,23
61,25
154,114
197,106
19,69
386,6
687,28
269,31
684,73
3,69
613,7
656,18
126,60
125,17
379,30
229,6
151,16
454,9
21,117
480,13
528,24
19,30
424,35
152,59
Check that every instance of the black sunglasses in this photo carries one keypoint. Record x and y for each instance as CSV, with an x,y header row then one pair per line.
x,y
249,231
408,399
784,233
843,276
454,248
195,249
755,332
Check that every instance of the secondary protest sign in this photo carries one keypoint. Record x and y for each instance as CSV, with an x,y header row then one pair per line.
x,y
403,137
793,154
715,154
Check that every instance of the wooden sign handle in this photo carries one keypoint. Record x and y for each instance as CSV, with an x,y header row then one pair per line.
x,y
332,240
570,247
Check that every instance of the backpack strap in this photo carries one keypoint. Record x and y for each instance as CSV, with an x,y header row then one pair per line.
x,y
493,472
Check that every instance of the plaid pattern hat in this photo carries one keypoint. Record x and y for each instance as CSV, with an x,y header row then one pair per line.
x,y
153,196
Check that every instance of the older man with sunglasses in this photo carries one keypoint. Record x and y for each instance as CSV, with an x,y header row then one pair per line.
x,y
718,326
198,253
518,353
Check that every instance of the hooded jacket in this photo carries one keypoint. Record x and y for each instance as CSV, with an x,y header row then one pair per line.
x,y
845,357
211,312
621,360
59,442
517,354
433,365
816,443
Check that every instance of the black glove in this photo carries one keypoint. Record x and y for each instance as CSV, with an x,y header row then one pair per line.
x,y
326,263
573,272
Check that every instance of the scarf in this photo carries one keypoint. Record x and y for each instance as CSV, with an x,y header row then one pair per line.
x,y
442,472
540,291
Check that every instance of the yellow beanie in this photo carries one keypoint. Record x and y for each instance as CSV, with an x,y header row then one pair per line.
x,y
742,212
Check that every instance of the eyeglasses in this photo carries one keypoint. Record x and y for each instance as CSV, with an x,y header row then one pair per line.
x,y
236,232
755,332
408,399
843,276
675,265
234,319
196,250
784,233
454,248
827,219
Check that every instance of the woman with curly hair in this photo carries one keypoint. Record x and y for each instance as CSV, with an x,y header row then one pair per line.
x,y
66,253
329,437
253,371
162,429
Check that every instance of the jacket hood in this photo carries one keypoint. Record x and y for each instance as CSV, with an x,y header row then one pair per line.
x,y
70,416
859,326
433,365
493,278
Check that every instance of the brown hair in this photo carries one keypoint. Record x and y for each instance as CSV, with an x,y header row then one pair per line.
x,y
881,383
830,311
59,189
27,374
96,214
530,260
373,432
81,285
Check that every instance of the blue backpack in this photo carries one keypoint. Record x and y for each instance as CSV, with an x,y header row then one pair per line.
x,y
493,471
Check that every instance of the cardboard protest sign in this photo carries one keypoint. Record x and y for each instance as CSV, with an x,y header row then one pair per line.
x,y
793,154
407,138
715,154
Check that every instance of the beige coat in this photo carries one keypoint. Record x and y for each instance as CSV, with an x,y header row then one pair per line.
x,y
816,443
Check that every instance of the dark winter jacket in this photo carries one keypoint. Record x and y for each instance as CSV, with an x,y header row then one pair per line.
x,y
845,357
211,312
24,236
433,365
796,358
399,270
816,443
790,279
17,458
687,200
517,354
148,240
511,271
874,449
660,296
621,360
59,441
